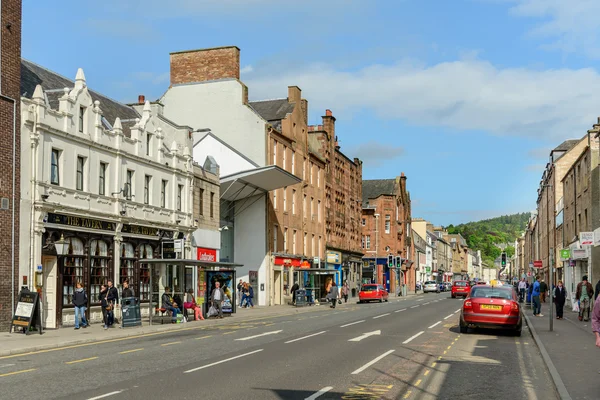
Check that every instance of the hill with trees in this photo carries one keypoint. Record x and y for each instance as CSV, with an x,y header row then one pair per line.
x,y
492,235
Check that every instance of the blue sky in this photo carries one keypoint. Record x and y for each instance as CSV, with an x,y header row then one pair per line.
x,y
466,97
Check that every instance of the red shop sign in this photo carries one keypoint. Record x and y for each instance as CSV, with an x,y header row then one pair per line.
x,y
538,264
207,254
294,262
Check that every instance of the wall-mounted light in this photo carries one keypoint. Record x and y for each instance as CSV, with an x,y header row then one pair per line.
x,y
61,246
223,228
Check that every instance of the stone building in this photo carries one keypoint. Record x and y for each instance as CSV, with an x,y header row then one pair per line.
x,y
386,229
10,161
110,180
343,196
460,262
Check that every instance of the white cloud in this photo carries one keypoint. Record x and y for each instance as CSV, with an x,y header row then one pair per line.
x,y
374,154
571,25
246,69
462,95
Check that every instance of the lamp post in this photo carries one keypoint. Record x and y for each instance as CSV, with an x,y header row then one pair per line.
x,y
61,246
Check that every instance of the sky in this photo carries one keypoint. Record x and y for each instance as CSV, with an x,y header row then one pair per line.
x,y
466,97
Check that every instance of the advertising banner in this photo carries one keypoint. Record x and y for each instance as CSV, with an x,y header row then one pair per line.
x,y
586,238
226,278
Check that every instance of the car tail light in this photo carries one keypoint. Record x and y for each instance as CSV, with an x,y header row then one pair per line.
x,y
514,306
468,304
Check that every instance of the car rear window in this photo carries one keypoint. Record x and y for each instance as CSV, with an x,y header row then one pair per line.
x,y
369,288
491,293
460,283
430,283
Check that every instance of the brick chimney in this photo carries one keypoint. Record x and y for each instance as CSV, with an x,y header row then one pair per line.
x,y
294,94
329,126
141,99
205,65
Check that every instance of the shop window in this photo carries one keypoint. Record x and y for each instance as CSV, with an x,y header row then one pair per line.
x,y
144,290
127,262
99,273
72,269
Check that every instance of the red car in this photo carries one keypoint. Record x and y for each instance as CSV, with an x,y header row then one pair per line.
x,y
372,292
491,307
460,288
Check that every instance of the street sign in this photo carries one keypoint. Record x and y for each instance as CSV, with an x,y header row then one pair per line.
x,y
565,254
586,238
538,264
530,265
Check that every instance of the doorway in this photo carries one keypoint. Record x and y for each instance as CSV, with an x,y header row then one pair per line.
x,y
49,301
277,283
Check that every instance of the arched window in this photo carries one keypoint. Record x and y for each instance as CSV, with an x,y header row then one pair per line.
x,y
72,269
99,271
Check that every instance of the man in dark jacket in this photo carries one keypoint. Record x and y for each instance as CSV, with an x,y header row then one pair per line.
x,y
585,291
80,303
543,290
127,291
295,287
112,297
169,304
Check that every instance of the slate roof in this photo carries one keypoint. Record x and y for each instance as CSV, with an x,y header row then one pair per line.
x,y
53,84
566,145
376,187
273,110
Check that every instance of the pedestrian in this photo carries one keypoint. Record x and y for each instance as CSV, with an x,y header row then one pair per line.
x,y
522,289
535,297
333,294
596,321
560,296
240,286
345,291
295,287
584,293
127,291
543,290
169,304
597,290
190,304
217,296
80,301
112,298
250,295
104,305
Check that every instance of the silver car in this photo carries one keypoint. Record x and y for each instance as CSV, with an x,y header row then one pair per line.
x,y
431,286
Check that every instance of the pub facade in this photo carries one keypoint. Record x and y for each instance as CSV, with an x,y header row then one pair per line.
x,y
104,185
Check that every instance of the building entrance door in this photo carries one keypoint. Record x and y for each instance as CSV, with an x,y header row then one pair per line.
x,y
49,295
277,282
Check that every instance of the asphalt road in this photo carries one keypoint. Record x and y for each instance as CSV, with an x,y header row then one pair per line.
x,y
404,349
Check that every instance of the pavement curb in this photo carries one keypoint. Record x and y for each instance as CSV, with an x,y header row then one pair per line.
x,y
558,382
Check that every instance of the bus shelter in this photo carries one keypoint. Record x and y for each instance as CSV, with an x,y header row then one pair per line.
x,y
191,276
314,280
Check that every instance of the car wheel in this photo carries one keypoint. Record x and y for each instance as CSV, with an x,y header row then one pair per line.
x,y
360,302
387,299
463,328
453,296
517,332
381,299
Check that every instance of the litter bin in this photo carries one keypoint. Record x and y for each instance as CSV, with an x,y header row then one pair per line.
x,y
130,312
301,298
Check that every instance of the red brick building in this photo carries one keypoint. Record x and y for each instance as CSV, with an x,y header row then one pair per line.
x,y
10,72
343,196
386,229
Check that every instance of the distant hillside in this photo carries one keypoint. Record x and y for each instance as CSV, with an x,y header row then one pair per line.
x,y
491,234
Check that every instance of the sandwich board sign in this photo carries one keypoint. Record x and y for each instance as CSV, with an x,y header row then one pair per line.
x,y
27,312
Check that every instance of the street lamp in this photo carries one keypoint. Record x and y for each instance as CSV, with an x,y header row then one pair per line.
x,y
61,246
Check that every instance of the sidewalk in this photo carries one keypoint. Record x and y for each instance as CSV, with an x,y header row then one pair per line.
x,y
569,351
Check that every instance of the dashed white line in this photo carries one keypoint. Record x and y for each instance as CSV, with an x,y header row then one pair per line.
x,y
262,334
404,309
434,325
448,316
352,323
367,365
426,303
382,315
420,299
305,337
7,365
456,311
223,361
415,306
413,337
320,393
105,395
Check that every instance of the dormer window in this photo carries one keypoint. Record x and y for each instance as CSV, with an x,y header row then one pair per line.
x,y
81,116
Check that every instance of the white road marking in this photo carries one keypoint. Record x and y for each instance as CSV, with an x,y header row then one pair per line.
x,y
456,311
105,395
352,323
305,337
7,365
382,315
262,334
436,324
223,361
320,393
426,303
366,335
420,299
413,337
367,365
404,309
448,316
415,306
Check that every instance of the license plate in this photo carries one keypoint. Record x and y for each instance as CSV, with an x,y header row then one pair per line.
x,y
490,307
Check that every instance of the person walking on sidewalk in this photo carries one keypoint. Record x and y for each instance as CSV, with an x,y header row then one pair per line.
x,y
250,295
333,294
295,287
522,289
217,296
240,287
112,298
596,321
543,291
104,304
345,291
597,290
535,298
560,296
80,301
584,293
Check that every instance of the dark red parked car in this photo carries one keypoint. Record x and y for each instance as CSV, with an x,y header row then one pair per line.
x,y
491,307
460,288
372,292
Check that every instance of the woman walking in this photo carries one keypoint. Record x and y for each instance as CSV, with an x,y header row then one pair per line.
x,y
333,294
345,291
560,296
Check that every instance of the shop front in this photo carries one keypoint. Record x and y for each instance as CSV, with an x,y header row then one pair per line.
x,y
334,261
285,274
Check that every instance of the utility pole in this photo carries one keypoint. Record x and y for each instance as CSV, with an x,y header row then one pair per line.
x,y
551,279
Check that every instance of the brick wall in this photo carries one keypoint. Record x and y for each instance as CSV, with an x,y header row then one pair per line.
x,y
205,65
11,77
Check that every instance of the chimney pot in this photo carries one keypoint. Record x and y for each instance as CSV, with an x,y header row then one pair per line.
x,y
328,113
141,99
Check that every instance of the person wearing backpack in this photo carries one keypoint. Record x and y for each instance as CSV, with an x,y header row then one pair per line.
x,y
80,301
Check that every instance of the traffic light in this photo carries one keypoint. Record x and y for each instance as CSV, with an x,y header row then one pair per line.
x,y
503,259
398,261
390,260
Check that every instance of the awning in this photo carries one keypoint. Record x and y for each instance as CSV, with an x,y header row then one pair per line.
x,y
200,263
249,183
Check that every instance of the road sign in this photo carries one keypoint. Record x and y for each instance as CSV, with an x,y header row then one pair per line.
x,y
565,254
538,264
586,238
